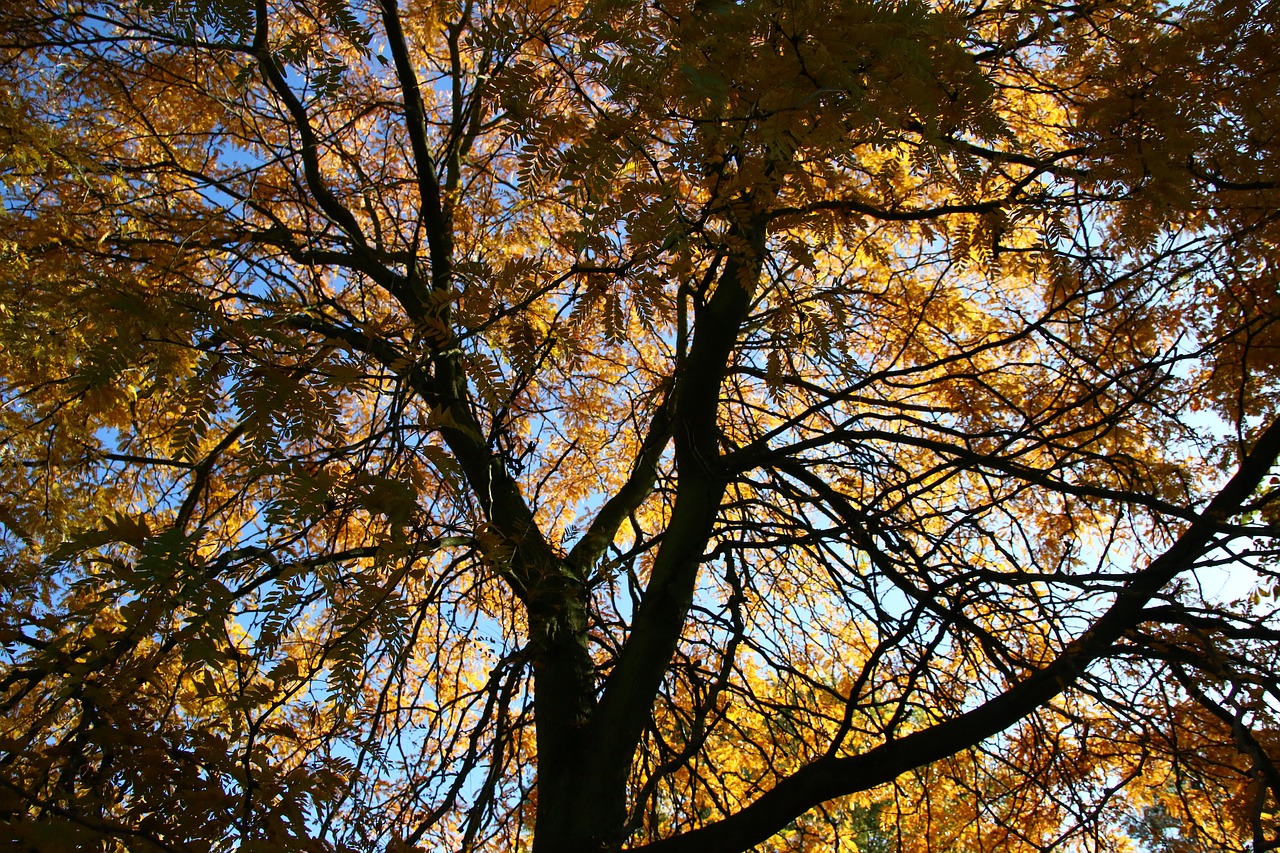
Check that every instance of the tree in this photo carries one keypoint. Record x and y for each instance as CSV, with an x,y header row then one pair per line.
x,y
776,424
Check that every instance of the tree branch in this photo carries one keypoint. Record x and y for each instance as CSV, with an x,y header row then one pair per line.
x,y
828,778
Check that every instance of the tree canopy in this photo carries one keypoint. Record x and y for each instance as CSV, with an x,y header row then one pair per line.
x,y
701,426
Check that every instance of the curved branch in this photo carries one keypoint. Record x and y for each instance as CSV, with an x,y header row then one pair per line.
x,y
829,778
329,203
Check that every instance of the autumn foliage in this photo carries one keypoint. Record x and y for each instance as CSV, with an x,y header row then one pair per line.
x,y
488,425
